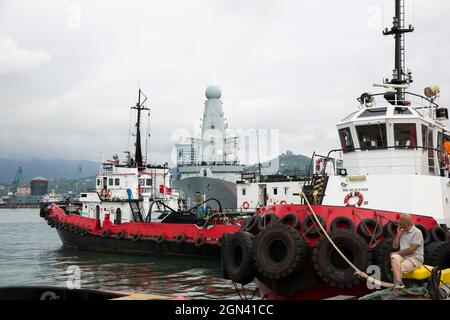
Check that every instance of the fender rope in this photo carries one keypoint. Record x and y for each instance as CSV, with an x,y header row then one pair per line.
x,y
358,272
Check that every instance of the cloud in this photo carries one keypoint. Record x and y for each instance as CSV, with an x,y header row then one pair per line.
x,y
14,59
294,66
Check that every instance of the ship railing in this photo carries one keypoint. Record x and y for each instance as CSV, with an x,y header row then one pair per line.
x,y
416,101
429,160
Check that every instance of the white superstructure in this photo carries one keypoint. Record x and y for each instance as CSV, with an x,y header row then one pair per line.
x,y
390,158
123,191
213,154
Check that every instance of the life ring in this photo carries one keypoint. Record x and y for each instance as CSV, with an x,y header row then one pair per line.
x,y
238,257
370,229
352,195
342,223
245,205
319,164
332,268
280,252
283,203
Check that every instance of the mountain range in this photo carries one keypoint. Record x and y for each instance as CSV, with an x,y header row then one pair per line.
x,y
50,169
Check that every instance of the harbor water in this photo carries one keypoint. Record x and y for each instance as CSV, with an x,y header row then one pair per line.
x,y
32,254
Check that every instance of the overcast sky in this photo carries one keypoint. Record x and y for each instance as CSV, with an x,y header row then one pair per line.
x,y
69,70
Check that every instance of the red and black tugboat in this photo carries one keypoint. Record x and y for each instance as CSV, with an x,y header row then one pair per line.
x,y
134,210
390,162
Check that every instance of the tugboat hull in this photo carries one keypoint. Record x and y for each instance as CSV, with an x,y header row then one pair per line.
x,y
141,247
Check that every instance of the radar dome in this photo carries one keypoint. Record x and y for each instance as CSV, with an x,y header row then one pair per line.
x,y
213,92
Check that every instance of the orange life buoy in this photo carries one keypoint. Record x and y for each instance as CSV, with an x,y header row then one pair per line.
x,y
283,202
245,205
352,195
319,164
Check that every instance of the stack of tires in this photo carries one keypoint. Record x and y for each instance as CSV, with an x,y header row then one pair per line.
x,y
276,252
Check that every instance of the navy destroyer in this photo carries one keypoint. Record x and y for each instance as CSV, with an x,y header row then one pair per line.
x,y
208,166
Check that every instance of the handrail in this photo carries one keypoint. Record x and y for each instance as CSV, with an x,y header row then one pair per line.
x,y
384,148
329,158
406,93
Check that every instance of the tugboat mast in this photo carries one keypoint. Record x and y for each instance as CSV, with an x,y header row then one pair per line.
x,y
138,150
400,75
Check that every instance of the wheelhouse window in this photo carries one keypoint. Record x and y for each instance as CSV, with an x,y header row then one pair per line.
x,y
372,136
424,136
117,182
275,191
110,182
99,182
405,135
148,182
244,192
373,112
345,136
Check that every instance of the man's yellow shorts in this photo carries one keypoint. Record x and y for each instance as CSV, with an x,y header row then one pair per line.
x,y
409,264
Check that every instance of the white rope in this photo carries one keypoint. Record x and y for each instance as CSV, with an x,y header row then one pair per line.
x,y
355,268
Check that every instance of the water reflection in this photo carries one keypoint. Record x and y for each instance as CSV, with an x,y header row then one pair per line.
x,y
31,253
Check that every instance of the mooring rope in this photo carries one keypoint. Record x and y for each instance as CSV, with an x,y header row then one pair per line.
x,y
358,272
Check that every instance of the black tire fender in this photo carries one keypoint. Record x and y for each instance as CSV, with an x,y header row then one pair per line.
x,y
341,221
332,268
280,251
180,238
390,229
161,238
266,221
199,242
382,258
238,257
105,233
310,227
223,244
438,254
136,237
370,228
425,233
290,220
251,224
437,233
120,235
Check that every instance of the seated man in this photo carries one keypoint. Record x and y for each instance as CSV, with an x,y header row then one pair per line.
x,y
409,243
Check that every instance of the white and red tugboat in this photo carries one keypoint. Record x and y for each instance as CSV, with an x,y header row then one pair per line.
x,y
390,162
134,210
